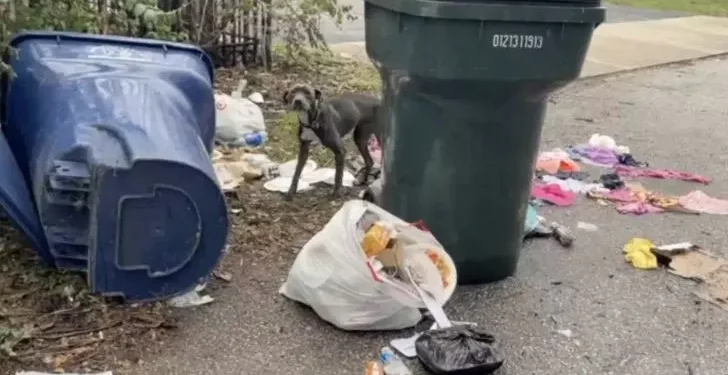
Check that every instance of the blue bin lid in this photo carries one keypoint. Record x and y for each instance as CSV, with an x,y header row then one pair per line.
x,y
114,40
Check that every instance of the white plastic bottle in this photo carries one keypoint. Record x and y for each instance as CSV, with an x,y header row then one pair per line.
x,y
392,363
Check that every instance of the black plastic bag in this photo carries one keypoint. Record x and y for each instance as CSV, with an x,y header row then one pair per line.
x,y
459,350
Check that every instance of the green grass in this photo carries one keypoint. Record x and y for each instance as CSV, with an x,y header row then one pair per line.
x,y
710,7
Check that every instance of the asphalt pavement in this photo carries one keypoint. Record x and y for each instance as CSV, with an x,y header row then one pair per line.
x,y
353,31
623,321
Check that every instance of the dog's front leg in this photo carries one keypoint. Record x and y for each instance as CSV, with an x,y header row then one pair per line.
x,y
339,175
302,158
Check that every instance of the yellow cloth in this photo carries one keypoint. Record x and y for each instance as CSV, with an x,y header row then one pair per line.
x,y
638,252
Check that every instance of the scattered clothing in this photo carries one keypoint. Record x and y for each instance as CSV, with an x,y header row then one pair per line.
x,y
556,161
643,195
605,141
602,141
622,195
638,253
574,186
611,181
635,199
581,176
628,159
698,201
597,156
633,172
638,208
553,194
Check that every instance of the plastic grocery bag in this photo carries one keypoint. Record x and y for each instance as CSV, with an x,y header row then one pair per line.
x,y
332,276
236,118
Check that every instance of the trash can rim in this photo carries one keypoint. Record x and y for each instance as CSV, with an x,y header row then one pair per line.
x,y
551,13
116,39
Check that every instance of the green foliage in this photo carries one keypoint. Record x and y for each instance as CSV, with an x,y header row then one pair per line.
x,y
296,21
299,21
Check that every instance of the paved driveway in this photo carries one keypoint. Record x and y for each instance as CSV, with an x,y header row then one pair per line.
x,y
624,321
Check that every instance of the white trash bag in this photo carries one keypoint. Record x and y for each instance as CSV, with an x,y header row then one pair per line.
x,y
237,117
332,275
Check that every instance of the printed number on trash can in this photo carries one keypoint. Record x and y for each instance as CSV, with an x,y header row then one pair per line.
x,y
517,41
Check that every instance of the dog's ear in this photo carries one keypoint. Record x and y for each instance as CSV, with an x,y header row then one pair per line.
x,y
285,96
318,94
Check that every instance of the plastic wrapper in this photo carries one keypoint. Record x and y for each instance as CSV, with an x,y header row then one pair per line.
x,y
459,350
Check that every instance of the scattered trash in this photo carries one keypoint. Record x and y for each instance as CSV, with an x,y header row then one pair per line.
x,y
373,368
406,346
256,98
282,184
233,167
334,276
190,299
288,168
698,201
692,262
532,220
638,253
562,234
310,176
238,117
373,192
589,227
565,332
553,193
222,275
391,363
460,349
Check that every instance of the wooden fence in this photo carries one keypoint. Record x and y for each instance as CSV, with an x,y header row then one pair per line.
x,y
234,32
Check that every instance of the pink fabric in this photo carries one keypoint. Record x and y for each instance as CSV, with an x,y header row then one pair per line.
x,y
700,202
638,208
375,149
623,195
627,171
554,194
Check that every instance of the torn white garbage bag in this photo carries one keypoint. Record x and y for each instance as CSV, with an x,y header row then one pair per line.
x,y
349,272
238,121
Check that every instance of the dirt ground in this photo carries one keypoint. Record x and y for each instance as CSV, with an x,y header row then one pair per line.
x,y
48,319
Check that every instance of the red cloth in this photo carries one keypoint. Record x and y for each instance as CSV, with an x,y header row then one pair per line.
x,y
553,193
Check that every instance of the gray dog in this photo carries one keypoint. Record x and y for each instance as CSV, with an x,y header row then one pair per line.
x,y
328,121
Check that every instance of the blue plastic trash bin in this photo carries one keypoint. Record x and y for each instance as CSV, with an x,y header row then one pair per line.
x,y
111,174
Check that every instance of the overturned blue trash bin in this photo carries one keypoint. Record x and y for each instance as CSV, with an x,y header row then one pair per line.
x,y
105,160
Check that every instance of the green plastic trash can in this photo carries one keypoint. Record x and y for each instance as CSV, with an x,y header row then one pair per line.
x,y
465,88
